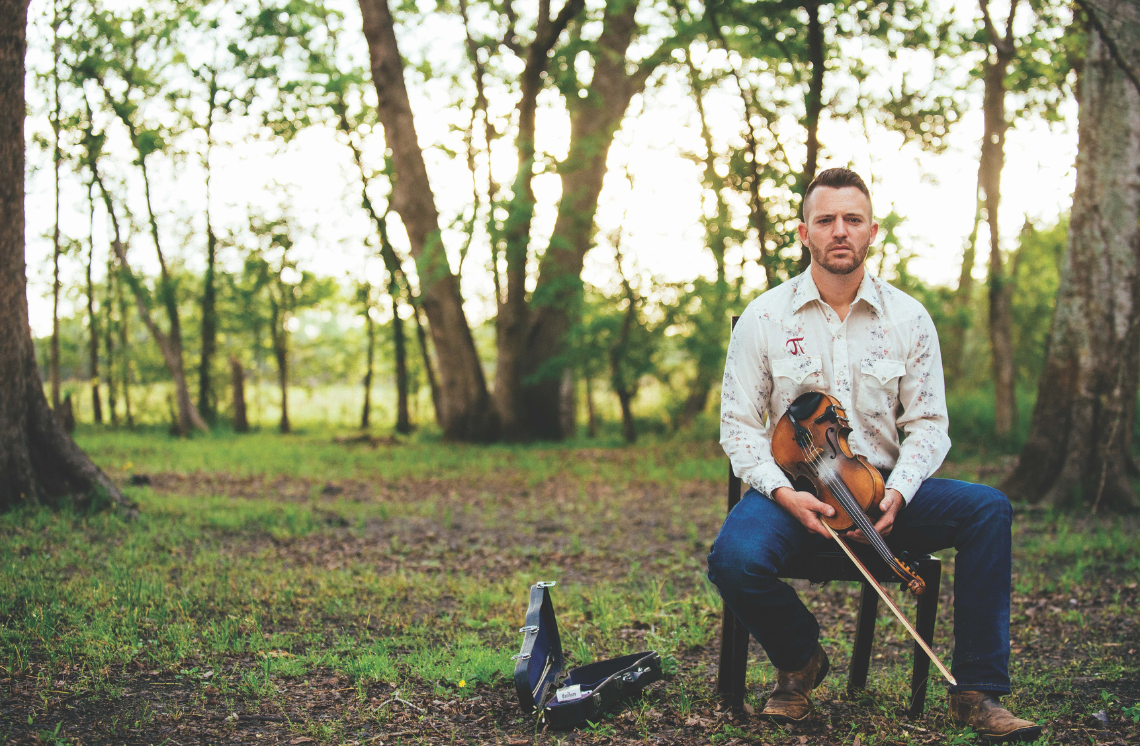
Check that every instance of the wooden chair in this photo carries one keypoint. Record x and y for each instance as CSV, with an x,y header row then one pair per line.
x,y
827,566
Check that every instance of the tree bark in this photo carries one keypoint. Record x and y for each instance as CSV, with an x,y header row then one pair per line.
x,y
591,414
370,351
557,296
403,421
56,162
513,314
124,356
207,403
237,383
1000,54
1077,447
398,282
813,103
279,335
113,283
92,319
708,347
170,345
39,462
465,405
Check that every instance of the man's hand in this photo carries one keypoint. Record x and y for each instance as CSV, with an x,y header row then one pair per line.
x,y
805,508
892,503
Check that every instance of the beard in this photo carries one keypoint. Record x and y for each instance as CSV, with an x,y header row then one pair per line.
x,y
839,265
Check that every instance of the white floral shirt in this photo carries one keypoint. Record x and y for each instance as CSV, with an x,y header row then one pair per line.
x,y
882,362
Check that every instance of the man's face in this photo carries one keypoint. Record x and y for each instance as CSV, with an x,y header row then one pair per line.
x,y
838,229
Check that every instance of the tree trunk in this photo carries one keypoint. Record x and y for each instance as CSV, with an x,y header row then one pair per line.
x,y
513,315
557,296
465,405
170,345
280,338
429,366
207,403
237,382
591,415
39,462
568,414
56,161
124,356
955,344
710,350
113,283
1000,52
370,334
1077,446
403,421
628,430
92,319
207,406
813,103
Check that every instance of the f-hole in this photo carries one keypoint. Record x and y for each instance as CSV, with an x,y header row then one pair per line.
x,y
833,440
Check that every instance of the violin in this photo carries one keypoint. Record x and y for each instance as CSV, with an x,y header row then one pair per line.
x,y
810,443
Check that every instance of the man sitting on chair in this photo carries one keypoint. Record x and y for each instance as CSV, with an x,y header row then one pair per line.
x,y
839,330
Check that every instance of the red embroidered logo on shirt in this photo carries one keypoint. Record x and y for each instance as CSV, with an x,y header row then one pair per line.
x,y
797,348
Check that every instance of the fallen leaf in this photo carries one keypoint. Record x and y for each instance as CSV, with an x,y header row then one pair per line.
x,y
749,709
302,739
857,742
517,741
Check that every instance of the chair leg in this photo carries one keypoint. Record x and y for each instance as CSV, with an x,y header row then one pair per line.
x,y
931,573
739,667
727,643
864,637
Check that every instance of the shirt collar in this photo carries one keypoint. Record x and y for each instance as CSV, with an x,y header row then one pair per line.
x,y
806,291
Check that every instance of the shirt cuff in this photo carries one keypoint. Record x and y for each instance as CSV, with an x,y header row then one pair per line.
x,y
770,478
906,481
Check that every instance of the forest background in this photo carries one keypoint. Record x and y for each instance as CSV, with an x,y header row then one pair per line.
x,y
138,104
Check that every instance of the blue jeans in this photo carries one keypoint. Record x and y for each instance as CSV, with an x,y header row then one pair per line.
x,y
759,536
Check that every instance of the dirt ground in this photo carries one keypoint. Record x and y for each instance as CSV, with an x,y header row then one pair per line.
x,y
1061,657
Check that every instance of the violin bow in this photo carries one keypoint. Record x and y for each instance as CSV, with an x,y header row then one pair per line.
x,y
883,594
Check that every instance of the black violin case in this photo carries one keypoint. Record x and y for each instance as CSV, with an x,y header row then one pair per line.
x,y
587,691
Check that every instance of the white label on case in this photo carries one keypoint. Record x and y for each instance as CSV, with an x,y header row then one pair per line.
x,y
570,693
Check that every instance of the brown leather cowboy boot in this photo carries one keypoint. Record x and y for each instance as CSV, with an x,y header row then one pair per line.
x,y
790,702
982,712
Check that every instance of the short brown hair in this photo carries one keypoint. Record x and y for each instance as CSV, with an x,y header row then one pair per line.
x,y
836,178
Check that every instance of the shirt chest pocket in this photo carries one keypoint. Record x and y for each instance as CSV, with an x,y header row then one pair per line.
x,y
794,375
879,386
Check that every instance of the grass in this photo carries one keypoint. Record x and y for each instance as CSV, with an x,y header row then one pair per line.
x,y
342,592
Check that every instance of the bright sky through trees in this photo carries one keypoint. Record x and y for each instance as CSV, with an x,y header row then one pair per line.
x,y
662,233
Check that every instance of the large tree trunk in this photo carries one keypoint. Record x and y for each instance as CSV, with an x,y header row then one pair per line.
x,y
1077,448
1000,53
465,406
557,297
39,462
513,315
813,103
